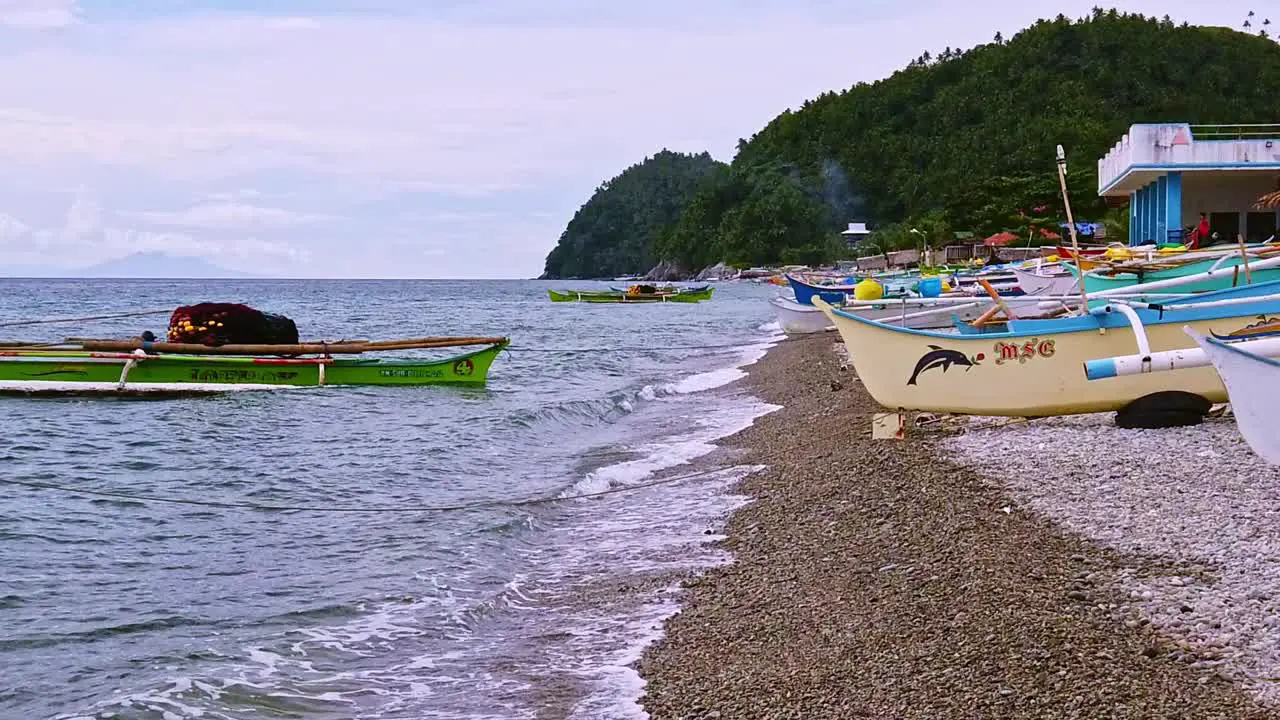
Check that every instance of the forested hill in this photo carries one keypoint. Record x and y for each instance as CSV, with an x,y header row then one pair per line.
x,y
613,233
963,139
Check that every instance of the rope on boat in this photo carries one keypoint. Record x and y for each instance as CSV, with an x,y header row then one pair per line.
x,y
388,509
139,313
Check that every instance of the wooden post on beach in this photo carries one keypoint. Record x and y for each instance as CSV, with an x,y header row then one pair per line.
x,y
1244,259
1071,227
888,426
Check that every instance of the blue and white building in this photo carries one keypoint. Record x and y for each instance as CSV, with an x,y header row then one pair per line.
x,y
1172,172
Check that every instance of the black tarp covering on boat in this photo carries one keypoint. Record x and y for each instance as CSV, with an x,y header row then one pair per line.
x,y
230,324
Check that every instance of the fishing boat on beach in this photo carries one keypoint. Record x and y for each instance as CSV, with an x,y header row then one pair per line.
x,y
1046,280
196,358
1069,254
797,319
1230,266
1032,367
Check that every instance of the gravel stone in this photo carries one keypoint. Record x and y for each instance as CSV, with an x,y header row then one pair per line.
x,y
970,617
1196,502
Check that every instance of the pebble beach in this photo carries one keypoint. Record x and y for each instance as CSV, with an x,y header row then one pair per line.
x,y
1062,568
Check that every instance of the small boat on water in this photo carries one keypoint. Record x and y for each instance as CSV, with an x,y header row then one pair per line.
x,y
196,359
665,288
158,369
635,294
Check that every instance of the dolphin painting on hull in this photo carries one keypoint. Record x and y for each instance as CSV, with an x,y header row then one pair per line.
x,y
939,358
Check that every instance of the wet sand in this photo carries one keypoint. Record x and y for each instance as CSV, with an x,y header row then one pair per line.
x,y
874,579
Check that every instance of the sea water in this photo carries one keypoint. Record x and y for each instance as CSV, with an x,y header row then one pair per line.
x,y
440,560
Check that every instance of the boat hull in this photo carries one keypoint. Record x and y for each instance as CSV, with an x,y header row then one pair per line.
x,y
805,292
797,319
101,372
1253,388
1068,253
1024,373
1055,285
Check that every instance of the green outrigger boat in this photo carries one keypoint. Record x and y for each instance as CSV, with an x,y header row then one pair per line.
x,y
631,295
130,367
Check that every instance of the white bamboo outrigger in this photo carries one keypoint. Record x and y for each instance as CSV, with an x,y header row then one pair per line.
x,y
1145,361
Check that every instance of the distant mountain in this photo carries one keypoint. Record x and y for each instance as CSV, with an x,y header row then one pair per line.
x,y
31,271
156,265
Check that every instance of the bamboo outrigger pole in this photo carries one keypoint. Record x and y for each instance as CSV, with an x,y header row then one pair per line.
x,y
297,349
1244,259
1071,227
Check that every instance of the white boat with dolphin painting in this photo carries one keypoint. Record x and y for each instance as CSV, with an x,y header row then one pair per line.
x,y
1032,369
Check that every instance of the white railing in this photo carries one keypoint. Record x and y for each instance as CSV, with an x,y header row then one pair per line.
x,y
1181,144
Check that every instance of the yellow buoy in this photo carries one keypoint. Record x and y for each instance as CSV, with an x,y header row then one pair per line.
x,y
868,289
1052,258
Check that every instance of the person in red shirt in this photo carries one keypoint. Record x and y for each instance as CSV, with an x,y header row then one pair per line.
x,y
1200,234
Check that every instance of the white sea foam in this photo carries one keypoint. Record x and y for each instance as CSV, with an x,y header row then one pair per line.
x,y
713,423
664,529
491,650
748,355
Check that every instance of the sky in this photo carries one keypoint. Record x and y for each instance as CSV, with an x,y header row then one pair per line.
x,y
410,138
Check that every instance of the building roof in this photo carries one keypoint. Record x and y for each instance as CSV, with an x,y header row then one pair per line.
x,y
1150,150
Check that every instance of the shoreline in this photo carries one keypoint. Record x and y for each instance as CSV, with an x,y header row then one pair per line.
x,y
878,579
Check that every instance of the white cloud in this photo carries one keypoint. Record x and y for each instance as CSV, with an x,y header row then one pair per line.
x,y
84,217
39,14
293,23
228,215
12,229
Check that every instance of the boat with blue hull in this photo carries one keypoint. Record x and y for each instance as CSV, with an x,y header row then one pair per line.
x,y
805,292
